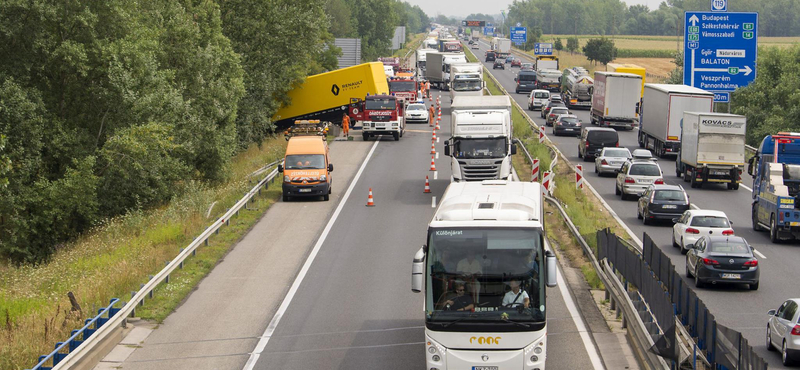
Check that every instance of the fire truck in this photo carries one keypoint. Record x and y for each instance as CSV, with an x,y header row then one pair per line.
x,y
404,87
379,115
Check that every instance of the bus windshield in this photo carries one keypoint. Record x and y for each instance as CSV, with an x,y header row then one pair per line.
x,y
485,275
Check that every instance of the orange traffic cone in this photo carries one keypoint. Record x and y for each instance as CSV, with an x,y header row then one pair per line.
x,y
437,126
433,164
433,148
370,201
434,134
427,185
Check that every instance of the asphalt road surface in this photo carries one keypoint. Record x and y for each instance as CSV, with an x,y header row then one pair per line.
x,y
734,306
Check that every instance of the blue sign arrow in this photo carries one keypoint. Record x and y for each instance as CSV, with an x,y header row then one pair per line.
x,y
543,48
720,50
519,35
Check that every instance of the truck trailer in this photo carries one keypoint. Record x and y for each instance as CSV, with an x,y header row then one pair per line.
x,y
500,317
326,96
776,186
576,88
421,60
615,102
438,68
661,113
712,149
480,145
629,68
546,62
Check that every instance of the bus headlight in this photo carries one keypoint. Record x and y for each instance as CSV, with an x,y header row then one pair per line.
x,y
431,349
534,358
537,350
436,358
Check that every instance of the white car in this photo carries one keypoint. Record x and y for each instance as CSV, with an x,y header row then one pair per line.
x,y
636,176
783,331
643,154
475,45
538,99
417,113
610,160
695,223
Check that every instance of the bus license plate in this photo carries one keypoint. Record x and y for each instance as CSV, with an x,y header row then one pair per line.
x,y
484,368
305,190
731,276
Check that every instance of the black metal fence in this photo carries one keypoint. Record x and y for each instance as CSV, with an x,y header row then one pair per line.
x,y
668,296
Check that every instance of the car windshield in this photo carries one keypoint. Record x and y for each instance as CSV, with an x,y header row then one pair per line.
x,y
527,77
569,119
402,86
602,136
485,275
709,221
672,195
557,111
557,104
480,148
644,170
473,85
417,107
380,104
617,153
305,162
730,247
541,95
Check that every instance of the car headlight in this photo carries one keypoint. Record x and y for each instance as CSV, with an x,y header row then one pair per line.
x,y
323,178
286,179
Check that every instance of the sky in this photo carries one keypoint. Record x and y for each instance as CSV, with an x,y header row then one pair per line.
x,y
462,8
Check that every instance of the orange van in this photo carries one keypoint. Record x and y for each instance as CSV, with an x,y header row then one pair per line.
x,y
306,168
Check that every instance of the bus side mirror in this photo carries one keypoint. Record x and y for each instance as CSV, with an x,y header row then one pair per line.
x,y
550,260
447,148
417,270
280,168
330,167
513,149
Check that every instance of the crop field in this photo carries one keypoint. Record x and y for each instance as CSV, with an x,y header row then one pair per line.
x,y
663,42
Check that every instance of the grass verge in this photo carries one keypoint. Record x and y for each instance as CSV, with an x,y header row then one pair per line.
x,y
118,256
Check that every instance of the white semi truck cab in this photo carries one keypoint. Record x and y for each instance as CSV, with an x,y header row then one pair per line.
x,y
466,79
484,271
480,146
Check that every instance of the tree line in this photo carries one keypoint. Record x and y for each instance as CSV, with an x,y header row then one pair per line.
x,y
108,107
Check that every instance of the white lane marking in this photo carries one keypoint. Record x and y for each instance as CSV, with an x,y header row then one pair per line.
x,y
437,155
694,206
746,187
437,139
578,320
435,175
759,254
273,324
433,202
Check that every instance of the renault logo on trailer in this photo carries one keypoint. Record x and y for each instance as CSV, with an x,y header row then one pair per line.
x,y
335,90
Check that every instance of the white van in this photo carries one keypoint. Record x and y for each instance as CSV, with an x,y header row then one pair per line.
x,y
538,99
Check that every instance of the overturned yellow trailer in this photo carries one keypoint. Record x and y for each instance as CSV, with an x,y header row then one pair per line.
x,y
629,68
326,96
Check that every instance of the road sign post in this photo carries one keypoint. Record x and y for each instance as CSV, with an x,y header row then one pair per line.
x,y
519,35
543,48
720,51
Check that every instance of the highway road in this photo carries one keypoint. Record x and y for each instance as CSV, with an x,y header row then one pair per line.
x,y
326,285
734,306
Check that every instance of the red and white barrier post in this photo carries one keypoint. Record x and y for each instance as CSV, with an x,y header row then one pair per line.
x,y
535,170
541,136
578,176
546,181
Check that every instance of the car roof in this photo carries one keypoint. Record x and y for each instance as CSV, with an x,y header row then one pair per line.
x,y
599,129
560,116
707,212
306,145
723,238
666,187
643,161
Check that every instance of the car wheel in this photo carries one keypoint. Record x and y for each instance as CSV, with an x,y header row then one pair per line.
x,y
579,153
530,108
768,341
787,361
697,282
396,136
616,190
735,186
645,218
674,243
365,136
285,198
638,213
326,197
684,250
688,272
595,169
754,218
773,230
754,286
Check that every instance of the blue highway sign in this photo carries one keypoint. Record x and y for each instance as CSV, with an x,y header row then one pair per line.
x,y
720,50
519,35
543,48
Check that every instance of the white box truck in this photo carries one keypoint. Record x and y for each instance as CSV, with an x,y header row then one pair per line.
x,y
476,34
466,79
497,315
480,145
615,99
661,113
438,68
712,149
421,58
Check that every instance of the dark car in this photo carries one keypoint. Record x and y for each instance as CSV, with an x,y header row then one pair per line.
x,y
490,56
498,63
516,62
526,81
722,259
594,139
546,109
554,113
567,124
662,202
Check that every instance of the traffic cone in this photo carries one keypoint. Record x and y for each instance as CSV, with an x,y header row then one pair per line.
x,y
434,134
433,148
437,126
427,185
433,164
370,201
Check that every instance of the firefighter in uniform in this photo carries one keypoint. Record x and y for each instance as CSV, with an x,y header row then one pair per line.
x,y
346,125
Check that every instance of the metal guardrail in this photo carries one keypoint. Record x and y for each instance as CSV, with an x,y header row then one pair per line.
x,y
78,336
77,354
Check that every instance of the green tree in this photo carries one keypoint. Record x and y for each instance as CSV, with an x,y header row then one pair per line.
x,y
376,23
558,45
600,50
770,102
5,163
572,44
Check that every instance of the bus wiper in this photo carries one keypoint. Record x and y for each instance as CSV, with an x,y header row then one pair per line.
x,y
446,324
517,323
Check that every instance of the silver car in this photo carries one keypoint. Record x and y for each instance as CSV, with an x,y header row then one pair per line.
x,y
610,160
635,176
783,331
417,112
